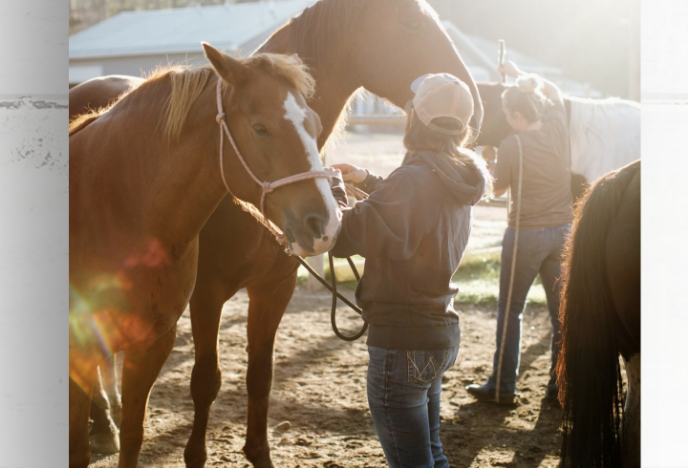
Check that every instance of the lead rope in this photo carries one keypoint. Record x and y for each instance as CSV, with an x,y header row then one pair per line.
x,y
513,268
360,195
332,286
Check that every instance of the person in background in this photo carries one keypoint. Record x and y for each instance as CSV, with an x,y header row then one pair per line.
x,y
413,231
535,110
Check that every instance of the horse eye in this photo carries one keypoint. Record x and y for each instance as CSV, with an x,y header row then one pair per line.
x,y
260,130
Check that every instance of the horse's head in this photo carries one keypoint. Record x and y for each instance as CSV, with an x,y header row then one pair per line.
x,y
495,127
395,42
275,130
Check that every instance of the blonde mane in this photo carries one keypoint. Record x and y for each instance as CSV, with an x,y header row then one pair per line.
x,y
187,84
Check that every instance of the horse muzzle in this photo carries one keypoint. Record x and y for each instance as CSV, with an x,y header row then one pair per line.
x,y
314,235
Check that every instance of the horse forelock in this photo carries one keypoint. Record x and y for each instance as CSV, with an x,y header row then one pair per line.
x,y
288,68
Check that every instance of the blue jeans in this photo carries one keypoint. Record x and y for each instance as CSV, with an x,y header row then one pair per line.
x,y
404,398
539,251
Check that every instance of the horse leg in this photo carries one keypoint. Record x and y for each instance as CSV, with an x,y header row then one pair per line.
x,y
108,377
79,404
266,307
141,369
104,436
631,420
206,377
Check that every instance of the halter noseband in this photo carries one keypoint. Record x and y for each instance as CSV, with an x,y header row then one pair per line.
x,y
267,187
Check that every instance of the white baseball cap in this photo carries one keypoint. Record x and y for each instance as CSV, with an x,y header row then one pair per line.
x,y
442,95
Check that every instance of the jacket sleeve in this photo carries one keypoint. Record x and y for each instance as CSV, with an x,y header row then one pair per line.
x,y
394,220
370,183
339,192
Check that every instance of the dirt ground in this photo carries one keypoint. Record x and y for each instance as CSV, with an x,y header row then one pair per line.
x,y
319,383
319,387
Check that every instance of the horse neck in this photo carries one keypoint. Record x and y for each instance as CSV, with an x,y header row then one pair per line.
x,y
184,180
334,82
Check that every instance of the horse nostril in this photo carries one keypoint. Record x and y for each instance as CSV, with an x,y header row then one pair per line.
x,y
315,224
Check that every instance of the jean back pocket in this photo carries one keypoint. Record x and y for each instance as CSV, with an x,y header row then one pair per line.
x,y
426,366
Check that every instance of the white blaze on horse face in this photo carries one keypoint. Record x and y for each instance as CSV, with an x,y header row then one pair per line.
x,y
297,114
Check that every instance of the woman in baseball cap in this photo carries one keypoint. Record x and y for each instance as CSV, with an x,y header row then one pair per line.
x,y
413,230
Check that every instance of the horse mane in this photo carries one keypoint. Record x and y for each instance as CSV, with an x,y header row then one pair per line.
x,y
187,84
329,21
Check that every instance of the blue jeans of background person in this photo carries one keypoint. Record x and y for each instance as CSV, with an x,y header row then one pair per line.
x,y
404,398
539,251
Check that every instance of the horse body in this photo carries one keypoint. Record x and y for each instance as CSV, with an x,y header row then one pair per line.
x,y
382,45
99,92
600,314
139,197
604,134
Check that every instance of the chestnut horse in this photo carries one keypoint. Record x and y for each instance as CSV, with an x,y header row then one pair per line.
x,y
600,315
145,176
381,45
604,133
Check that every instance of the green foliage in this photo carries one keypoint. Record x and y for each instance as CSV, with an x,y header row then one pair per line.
x,y
478,280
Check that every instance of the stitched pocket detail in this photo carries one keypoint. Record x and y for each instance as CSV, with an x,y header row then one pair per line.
x,y
424,367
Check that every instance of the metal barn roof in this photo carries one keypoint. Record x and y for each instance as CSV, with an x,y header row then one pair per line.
x,y
181,30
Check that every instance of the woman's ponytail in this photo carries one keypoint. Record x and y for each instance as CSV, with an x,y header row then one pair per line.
x,y
526,97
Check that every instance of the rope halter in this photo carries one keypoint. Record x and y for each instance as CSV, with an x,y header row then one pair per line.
x,y
266,187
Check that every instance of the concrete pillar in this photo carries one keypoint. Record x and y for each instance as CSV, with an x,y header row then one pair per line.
x,y
318,264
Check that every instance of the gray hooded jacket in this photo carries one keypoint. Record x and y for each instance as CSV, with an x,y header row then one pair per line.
x,y
412,231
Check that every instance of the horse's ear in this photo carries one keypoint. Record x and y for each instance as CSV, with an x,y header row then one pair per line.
x,y
228,68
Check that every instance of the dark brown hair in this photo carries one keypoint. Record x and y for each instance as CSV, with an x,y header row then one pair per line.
x,y
419,137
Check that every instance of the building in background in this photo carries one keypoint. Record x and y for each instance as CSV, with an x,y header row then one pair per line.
x,y
136,42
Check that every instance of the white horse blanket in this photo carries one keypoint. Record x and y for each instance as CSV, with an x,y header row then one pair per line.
x,y
604,134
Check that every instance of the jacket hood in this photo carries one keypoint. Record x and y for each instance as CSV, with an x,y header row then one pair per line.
x,y
467,183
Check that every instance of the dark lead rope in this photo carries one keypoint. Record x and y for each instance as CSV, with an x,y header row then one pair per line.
x,y
335,294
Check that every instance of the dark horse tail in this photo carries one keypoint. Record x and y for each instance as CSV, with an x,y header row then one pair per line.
x,y
588,370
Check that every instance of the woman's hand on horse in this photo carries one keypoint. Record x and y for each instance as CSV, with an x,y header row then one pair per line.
x,y
351,173
333,172
509,68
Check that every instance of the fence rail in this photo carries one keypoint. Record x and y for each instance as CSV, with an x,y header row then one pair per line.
x,y
395,120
